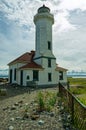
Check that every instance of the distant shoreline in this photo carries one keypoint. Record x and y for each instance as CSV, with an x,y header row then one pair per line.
x,y
76,76
69,76
3,76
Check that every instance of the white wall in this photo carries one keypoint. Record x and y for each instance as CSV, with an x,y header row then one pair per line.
x,y
13,66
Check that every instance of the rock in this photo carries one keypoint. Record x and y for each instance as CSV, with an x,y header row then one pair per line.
x,y
11,128
20,105
18,118
22,121
5,108
36,104
26,104
9,111
34,116
68,117
67,129
23,97
21,101
16,104
40,122
59,118
13,107
61,108
52,114
26,115
12,119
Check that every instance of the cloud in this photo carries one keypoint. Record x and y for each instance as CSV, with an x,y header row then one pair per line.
x,y
17,30
78,17
14,40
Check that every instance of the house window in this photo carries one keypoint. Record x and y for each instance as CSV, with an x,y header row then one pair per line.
x,y
28,77
21,77
49,77
60,75
35,75
49,45
15,74
49,62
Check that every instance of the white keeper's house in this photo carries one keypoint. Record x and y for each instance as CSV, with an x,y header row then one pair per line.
x,y
39,65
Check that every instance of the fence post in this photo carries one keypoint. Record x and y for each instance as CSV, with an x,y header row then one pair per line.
x,y
72,109
60,91
68,85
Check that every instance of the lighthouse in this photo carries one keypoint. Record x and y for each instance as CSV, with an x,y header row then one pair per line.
x,y
43,35
39,66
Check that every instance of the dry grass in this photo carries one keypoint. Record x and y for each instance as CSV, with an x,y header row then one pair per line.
x,y
78,88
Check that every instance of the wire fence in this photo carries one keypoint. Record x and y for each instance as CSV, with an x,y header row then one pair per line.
x,y
76,109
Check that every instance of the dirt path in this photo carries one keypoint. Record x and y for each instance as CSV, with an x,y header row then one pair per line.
x,y
16,111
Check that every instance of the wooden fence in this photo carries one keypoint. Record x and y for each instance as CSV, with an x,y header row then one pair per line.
x,y
76,109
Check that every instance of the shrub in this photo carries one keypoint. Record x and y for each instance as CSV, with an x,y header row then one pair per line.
x,y
3,92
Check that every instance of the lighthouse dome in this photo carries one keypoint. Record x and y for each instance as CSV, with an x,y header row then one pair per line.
x,y
43,9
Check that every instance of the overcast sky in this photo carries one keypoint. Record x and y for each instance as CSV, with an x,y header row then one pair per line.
x,y
17,30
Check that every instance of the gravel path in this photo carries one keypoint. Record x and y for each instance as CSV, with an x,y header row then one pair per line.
x,y
17,111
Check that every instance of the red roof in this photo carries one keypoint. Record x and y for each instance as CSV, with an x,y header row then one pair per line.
x,y
25,58
28,59
31,65
60,69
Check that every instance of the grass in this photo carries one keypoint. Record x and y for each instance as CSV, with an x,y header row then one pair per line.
x,y
78,88
46,100
77,81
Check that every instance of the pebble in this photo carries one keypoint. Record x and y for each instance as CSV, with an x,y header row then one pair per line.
x,y
26,104
21,101
5,108
11,128
12,119
59,118
40,122
34,116
16,104
52,114
26,115
18,118
13,107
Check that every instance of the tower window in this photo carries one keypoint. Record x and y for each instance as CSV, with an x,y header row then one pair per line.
x,y
15,74
60,75
49,77
49,45
49,62
35,75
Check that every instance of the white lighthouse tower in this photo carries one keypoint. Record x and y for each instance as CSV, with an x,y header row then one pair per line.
x,y
44,54
43,21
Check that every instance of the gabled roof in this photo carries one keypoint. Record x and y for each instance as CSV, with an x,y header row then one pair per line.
x,y
31,65
60,68
25,58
